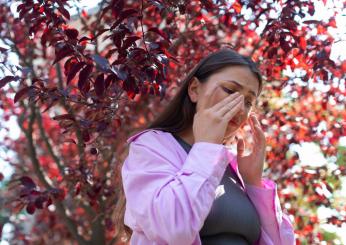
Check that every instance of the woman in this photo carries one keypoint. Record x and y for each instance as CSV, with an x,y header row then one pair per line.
x,y
182,185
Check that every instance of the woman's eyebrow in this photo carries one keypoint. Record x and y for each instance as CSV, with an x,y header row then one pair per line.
x,y
241,86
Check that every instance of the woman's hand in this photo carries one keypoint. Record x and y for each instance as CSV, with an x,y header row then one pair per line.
x,y
210,121
251,166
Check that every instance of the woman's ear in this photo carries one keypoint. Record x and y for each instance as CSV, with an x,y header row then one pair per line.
x,y
193,89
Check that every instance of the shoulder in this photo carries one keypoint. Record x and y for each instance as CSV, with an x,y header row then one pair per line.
x,y
147,135
149,144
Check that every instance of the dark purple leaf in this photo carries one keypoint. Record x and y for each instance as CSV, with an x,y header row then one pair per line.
x,y
158,31
7,79
71,33
109,79
3,50
23,93
51,104
57,193
99,85
129,41
64,117
100,32
128,12
93,151
64,12
312,22
49,202
40,201
63,53
84,39
27,182
74,70
83,76
85,135
30,208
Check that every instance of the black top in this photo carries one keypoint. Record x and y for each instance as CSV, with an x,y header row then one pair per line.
x,y
233,218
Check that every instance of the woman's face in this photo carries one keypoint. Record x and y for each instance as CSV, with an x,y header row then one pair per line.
x,y
227,81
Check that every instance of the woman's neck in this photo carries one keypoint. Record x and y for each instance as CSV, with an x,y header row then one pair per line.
x,y
187,136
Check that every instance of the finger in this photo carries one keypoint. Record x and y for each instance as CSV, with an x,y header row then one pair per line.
x,y
229,105
206,101
221,104
259,133
256,124
254,132
240,147
232,112
255,120
251,125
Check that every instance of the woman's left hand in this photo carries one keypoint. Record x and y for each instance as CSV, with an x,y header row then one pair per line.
x,y
251,166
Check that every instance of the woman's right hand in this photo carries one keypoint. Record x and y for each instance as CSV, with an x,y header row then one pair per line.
x,y
210,122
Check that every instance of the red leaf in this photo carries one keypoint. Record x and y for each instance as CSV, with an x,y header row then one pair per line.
x,y
83,76
77,188
74,70
30,208
84,14
332,22
99,85
237,7
71,33
49,202
27,182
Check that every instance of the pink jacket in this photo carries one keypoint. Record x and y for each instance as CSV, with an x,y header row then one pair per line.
x,y
169,193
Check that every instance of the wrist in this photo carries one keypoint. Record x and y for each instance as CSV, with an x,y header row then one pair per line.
x,y
257,183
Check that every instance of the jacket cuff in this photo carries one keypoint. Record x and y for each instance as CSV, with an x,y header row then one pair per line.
x,y
266,201
209,160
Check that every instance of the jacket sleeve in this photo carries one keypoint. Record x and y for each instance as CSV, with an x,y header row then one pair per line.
x,y
168,204
276,227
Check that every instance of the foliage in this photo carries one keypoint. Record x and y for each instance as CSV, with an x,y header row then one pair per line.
x,y
83,86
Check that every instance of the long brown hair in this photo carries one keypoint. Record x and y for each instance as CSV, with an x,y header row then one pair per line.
x,y
179,113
